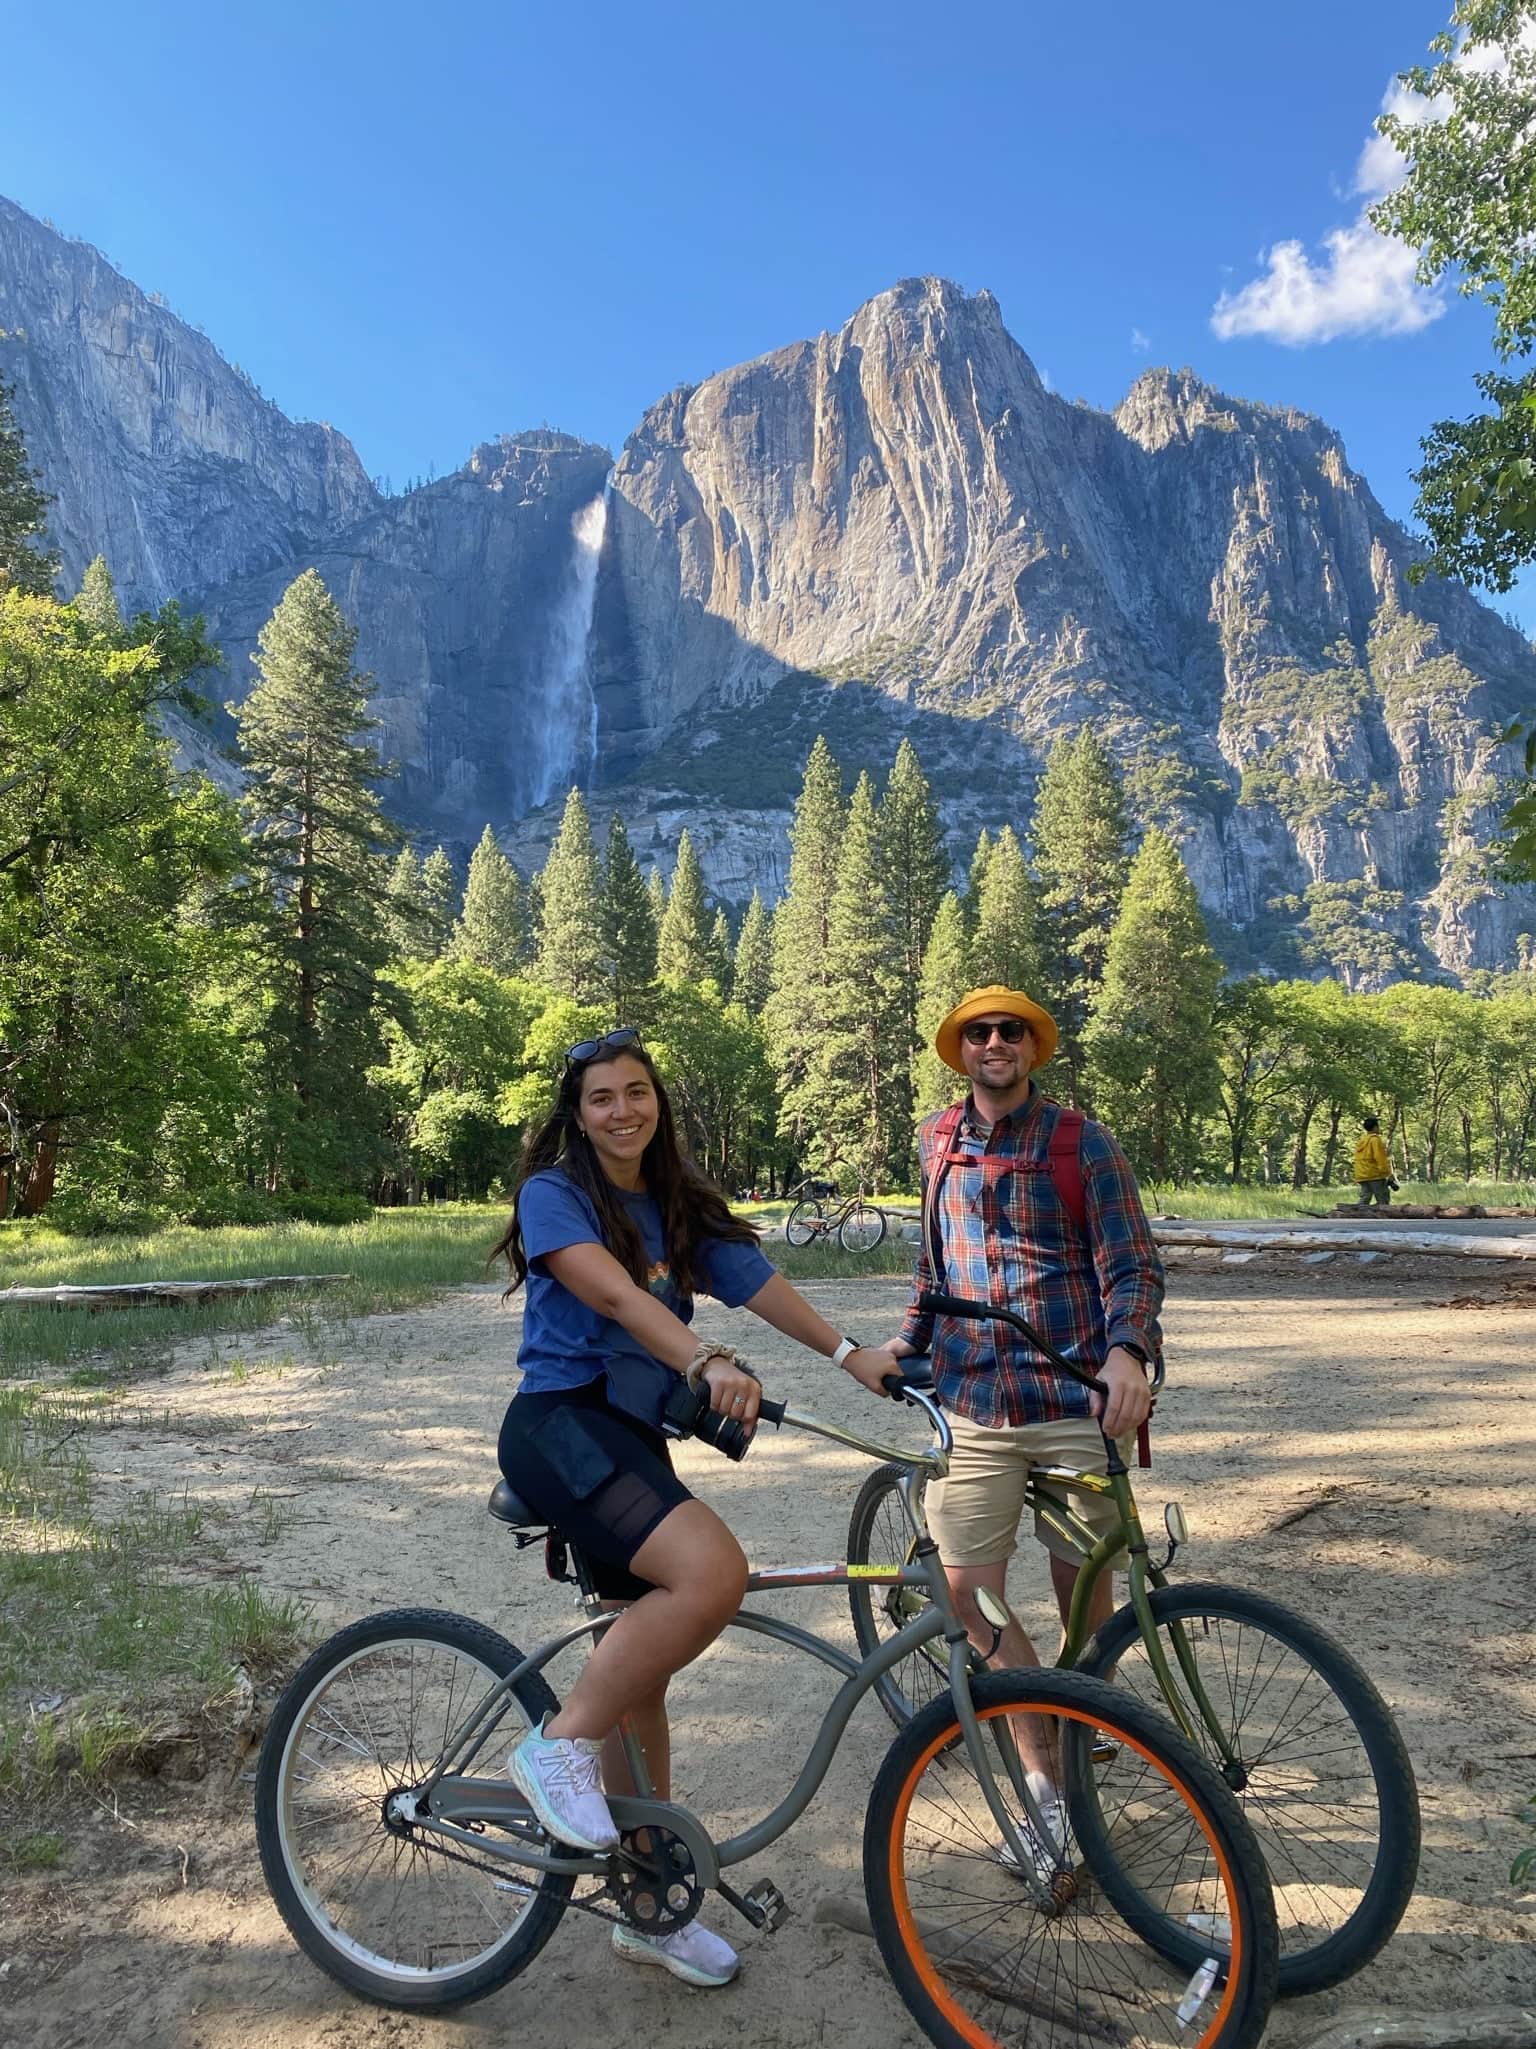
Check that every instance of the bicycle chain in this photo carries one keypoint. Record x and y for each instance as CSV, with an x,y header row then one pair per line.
x,y
499,1871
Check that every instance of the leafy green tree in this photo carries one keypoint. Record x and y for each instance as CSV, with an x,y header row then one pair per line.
x,y
1150,1046
683,952
107,858
1439,1031
454,1043
439,902
975,876
490,931
96,600
860,1104
570,956
25,564
802,930
721,952
404,910
915,871
1081,838
560,1022
629,932
311,912
946,975
1467,205
1006,947
715,1064
752,969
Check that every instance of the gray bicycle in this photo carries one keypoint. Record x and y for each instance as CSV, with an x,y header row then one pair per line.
x,y
407,1865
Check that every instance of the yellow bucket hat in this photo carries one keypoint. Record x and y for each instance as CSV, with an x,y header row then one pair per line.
x,y
991,1002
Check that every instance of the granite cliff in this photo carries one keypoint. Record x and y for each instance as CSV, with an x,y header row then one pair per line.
x,y
892,529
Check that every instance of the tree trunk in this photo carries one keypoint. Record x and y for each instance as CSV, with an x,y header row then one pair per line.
x,y
1299,1157
1466,1146
1331,1152
42,1175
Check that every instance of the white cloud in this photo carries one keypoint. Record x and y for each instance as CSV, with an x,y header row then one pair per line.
x,y
1363,285
1140,342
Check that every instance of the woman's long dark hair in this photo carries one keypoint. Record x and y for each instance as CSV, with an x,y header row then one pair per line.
x,y
692,1207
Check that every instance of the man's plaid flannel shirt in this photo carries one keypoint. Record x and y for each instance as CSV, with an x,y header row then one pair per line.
x,y
1005,1237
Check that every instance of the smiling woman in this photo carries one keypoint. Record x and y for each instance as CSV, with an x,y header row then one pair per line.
x,y
614,1230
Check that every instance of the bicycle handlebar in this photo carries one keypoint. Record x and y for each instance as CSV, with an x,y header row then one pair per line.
x,y
977,1312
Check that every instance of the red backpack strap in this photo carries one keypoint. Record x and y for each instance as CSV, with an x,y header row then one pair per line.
x,y
941,1135
1065,1159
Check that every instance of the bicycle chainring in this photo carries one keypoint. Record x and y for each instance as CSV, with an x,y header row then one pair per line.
x,y
659,1889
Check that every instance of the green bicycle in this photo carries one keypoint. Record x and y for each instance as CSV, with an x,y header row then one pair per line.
x,y
408,1866
1285,1714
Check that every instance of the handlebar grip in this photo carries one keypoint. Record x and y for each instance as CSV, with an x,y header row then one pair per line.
x,y
952,1305
771,1412
894,1386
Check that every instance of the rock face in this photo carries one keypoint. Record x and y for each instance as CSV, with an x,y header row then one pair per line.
x,y
160,455
472,624
1204,580
892,529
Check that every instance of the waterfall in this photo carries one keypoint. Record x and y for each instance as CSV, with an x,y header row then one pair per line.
x,y
564,747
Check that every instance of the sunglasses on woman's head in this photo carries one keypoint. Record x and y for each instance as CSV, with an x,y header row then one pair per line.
x,y
1012,1029
610,1042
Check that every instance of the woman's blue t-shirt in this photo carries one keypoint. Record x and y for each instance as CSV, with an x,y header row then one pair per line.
x,y
566,1344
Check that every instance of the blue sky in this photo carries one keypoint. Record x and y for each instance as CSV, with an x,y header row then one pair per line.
x,y
432,225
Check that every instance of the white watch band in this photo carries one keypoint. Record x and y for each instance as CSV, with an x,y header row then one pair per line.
x,y
844,1347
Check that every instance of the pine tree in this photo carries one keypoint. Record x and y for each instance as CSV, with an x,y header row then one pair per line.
x,y
96,599
721,953
490,931
25,564
656,890
629,932
1006,947
1081,843
916,874
682,944
404,911
570,956
752,968
859,1071
946,976
313,908
971,901
439,897
798,1006
1152,1061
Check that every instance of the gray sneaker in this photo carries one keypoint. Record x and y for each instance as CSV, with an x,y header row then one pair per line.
x,y
693,1953
558,1777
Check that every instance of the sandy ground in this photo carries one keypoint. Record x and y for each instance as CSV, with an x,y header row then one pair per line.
x,y
1406,1388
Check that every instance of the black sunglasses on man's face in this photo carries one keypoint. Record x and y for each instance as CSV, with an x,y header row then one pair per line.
x,y
1010,1029
611,1042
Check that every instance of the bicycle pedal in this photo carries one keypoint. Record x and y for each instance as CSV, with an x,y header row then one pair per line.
x,y
762,1904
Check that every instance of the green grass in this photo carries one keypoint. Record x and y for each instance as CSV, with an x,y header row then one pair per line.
x,y
398,1257
1238,1203
112,1638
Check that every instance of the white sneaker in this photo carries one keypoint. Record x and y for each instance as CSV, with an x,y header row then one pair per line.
x,y
558,1776
693,1952
1046,1855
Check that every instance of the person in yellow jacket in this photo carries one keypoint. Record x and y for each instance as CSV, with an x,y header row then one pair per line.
x,y
1373,1169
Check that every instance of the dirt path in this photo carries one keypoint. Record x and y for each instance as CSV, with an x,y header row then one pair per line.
x,y
1287,1384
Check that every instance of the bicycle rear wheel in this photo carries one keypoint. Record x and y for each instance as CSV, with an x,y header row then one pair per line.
x,y
981,1956
389,1909
800,1225
862,1228
1322,1772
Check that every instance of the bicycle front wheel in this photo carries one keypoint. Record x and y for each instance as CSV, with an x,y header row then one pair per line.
x,y
800,1226
982,1956
1315,1755
879,1534
388,1908
862,1228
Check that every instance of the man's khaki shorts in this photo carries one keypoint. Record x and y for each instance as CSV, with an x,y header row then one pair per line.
x,y
974,1514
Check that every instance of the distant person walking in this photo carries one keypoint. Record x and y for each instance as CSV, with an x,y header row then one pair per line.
x,y
1373,1169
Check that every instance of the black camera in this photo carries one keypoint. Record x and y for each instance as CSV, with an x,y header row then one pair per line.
x,y
687,1414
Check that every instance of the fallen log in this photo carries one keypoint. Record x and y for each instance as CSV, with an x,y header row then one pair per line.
x,y
157,1294
1478,2027
1386,1238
